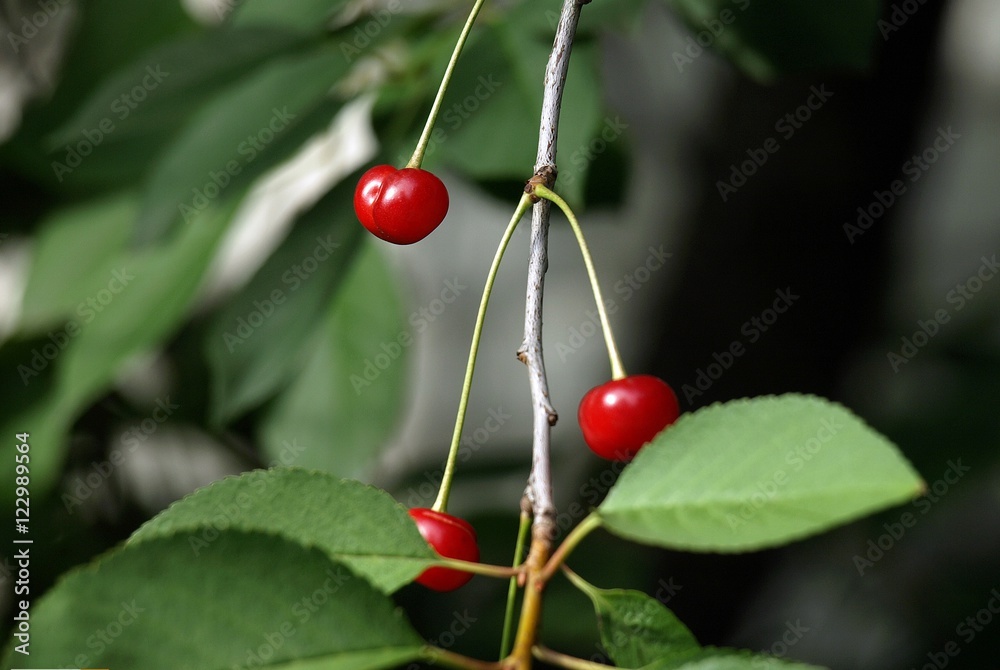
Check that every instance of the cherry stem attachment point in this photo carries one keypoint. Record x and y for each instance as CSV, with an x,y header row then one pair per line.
x,y
418,153
617,368
441,504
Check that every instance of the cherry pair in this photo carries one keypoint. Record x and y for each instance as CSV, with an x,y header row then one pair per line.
x,y
617,419
400,206
620,416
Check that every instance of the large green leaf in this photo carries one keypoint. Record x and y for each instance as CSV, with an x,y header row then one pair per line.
x,y
249,600
152,295
348,397
755,473
109,33
255,124
354,524
164,282
711,658
135,112
104,34
635,628
768,38
265,333
77,252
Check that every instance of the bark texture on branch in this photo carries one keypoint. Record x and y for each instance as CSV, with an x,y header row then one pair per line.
x,y
539,489
538,495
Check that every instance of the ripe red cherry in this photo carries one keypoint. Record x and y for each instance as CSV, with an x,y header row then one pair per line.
x,y
620,416
452,538
400,206
368,189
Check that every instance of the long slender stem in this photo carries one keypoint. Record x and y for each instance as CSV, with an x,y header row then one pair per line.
x,y
508,616
418,153
617,368
441,503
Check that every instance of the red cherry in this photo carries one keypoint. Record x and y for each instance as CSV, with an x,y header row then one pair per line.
x,y
620,416
450,537
368,189
400,206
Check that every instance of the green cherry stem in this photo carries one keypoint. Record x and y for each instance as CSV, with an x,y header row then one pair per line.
x,y
579,582
498,571
617,368
563,661
507,639
448,659
441,504
575,537
418,154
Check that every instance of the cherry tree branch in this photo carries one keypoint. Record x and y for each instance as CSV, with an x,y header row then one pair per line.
x,y
539,490
538,496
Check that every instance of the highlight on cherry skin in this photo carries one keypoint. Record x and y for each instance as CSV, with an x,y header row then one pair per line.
x,y
620,416
400,206
451,537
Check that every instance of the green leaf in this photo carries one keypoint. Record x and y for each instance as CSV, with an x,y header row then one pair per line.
x,y
26,399
301,15
68,267
163,283
103,35
756,473
711,658
346,401
155,288
265,333
252,126
109,33
635,628
248,600
768,38
354,524
135,112
489,115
